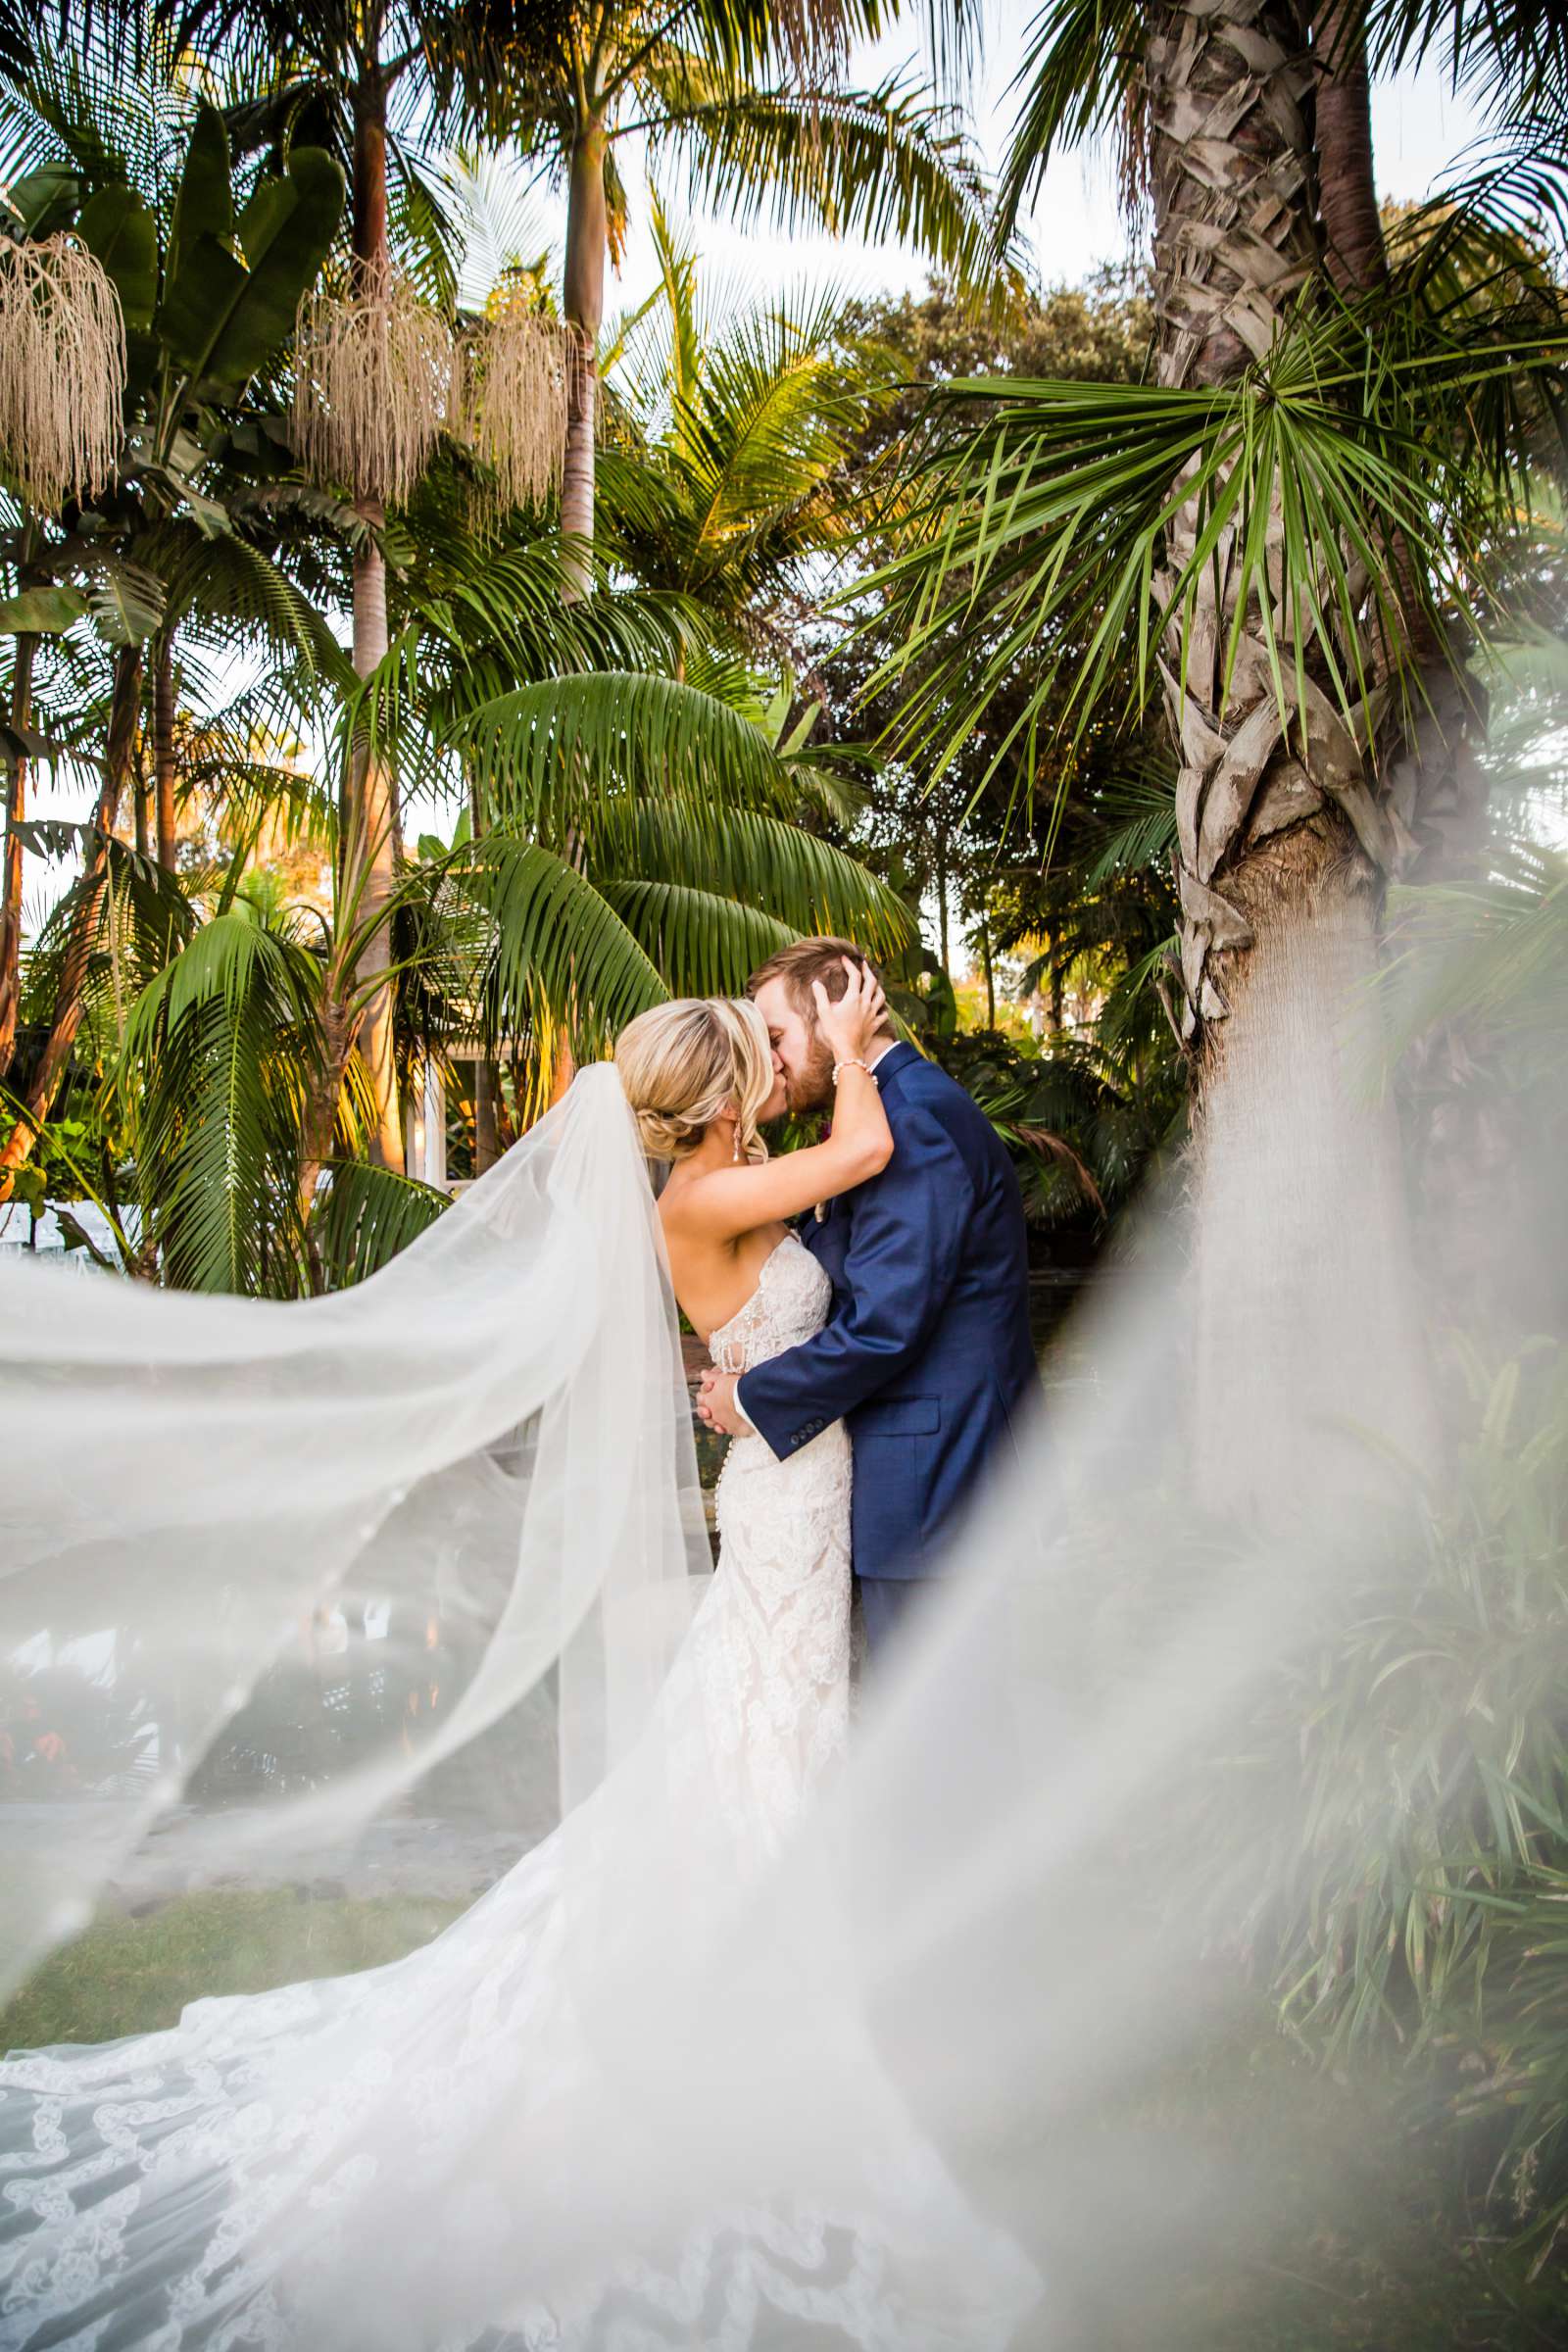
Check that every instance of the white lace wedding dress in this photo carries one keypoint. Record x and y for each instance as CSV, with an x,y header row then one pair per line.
x,y
771,1648
337,2166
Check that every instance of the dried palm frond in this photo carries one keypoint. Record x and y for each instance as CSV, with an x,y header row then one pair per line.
x,y
62,371
510,394
373,373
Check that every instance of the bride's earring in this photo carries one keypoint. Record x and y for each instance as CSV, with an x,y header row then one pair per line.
x,y
736,1154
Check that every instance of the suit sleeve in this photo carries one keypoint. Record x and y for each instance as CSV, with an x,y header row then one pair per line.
x,y
905,1247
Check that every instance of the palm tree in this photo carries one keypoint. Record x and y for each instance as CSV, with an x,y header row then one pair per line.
x,y
361,78
1273,531
748,95
569,82
347,65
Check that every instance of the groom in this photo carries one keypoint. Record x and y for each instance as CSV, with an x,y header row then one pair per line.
x,y
926,1354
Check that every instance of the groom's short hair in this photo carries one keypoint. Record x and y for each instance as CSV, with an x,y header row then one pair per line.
x,y
807,960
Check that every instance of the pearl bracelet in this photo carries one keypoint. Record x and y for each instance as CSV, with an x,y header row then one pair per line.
x,y
855,1062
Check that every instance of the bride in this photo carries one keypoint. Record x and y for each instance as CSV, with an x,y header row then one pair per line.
x,y
773,1649
441,2153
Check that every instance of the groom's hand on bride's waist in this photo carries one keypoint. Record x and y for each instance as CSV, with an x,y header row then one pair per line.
x,y
718,1408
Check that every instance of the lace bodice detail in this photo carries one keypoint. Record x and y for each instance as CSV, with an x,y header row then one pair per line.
x,y
789,1304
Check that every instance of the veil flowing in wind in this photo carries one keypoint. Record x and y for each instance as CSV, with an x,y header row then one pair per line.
x,y
491,1437
488,1446
927,2074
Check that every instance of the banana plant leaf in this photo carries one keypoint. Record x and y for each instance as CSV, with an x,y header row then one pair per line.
x,y
43,201
221,317
120,234
204,204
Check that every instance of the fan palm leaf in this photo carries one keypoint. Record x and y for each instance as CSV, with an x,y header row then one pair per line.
x,y
1044,531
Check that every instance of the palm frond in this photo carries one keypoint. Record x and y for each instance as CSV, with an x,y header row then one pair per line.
x,y
547,754
878,164
703,943
1078,71
1490,954
1042,536
1138,810
549,948
368,1214
1509,52
219,1054
753,860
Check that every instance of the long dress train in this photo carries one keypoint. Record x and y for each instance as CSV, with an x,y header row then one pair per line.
x,y
375,2161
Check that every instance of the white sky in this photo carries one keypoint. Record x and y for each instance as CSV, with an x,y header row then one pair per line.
x,y
1419,127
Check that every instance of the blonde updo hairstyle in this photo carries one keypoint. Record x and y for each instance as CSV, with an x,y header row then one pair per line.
x,y
686,1063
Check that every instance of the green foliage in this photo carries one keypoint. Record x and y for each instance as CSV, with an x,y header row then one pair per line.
x,y
1044,531
878,164
120,230
231,300
368,1215
1030,852
722,479
219,1052
1082,1128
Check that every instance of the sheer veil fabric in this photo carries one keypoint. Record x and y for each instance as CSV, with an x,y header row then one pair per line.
x,y
494,1430
470,2145
924,2073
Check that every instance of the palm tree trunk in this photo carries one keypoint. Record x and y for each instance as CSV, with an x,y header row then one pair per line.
x,y
1301,1313
1436,784
372,789
1353,230
486,1136
11,888
163,750
369,864
119,774
320,1111
367,847
584,295
486,1073
1461,1161
368,818
142,797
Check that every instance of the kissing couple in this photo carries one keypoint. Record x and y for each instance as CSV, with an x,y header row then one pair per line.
x,y
865,1302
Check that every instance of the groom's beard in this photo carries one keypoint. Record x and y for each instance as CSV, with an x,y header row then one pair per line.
x,y
811,1088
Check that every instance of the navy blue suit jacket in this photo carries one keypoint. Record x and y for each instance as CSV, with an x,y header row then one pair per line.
x,y
926,1354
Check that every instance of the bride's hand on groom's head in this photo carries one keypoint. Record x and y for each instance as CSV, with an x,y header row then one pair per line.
x,y
850,1024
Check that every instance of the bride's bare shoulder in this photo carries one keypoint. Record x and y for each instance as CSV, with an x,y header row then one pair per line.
x,y
687,1206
